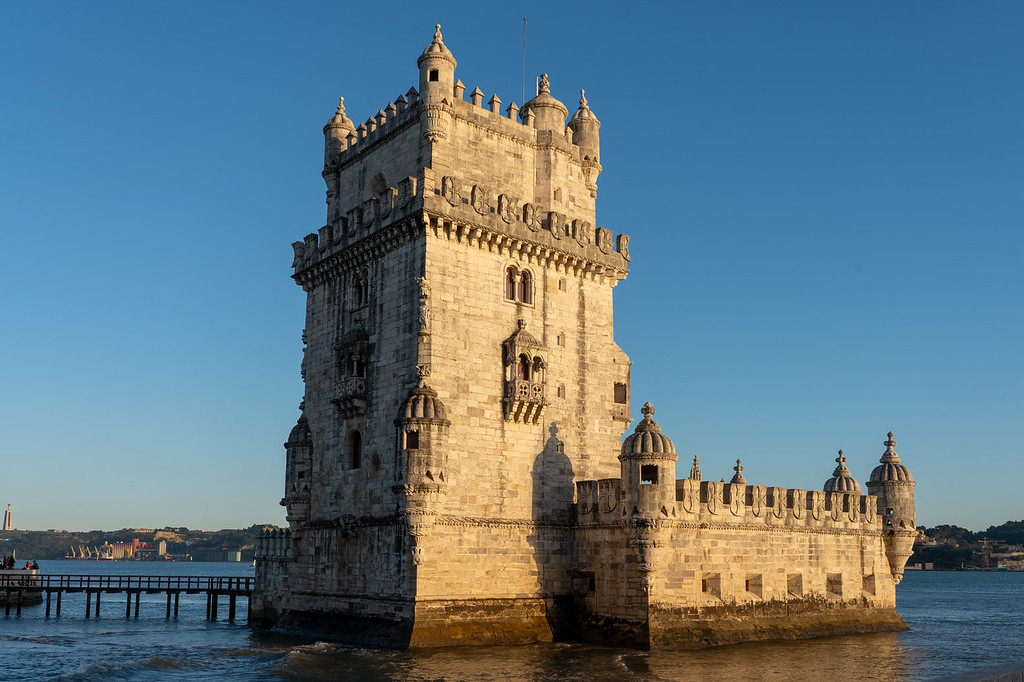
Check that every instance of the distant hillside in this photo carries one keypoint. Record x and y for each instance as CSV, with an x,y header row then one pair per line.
x,y
41,544
952,547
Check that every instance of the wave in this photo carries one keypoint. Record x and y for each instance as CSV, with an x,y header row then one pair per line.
x,y
38,639
150,668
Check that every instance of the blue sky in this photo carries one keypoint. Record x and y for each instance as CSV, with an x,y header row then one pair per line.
x,y
824,201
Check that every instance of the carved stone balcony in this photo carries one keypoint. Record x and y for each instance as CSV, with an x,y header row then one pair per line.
x,y
351,398
524,401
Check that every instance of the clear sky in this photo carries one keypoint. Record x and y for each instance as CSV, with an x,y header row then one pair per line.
x,y
825,201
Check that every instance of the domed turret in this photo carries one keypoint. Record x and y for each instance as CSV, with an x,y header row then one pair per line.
x,y
890,469
549,113
842,481
437,88
423,437
585,128
336,132
892,483
298,464
437,68
647,461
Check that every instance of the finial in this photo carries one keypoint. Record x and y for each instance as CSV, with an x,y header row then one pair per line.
x,y
647,410
738,478
341,106
695,469
583,99
521,323
437,32
544,87
890,452
841,459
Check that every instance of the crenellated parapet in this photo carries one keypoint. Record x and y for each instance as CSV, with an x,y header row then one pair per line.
x,y
735,505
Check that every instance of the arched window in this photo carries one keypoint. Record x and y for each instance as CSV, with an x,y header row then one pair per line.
x,y
523,368
510,284
355,450
360,289
538,369
526,287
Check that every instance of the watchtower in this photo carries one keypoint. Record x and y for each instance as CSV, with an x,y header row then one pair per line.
x,y
459,364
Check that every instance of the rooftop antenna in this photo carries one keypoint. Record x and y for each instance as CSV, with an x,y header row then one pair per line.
x,y
524,61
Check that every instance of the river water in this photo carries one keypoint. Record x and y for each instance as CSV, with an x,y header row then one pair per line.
x,y
959,622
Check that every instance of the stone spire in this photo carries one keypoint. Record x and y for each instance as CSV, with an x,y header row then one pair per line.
x,y
695,469
738,476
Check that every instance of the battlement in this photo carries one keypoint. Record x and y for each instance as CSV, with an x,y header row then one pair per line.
x,y
714,502
406,108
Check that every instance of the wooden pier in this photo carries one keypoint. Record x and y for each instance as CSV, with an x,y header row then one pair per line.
x,y
17,589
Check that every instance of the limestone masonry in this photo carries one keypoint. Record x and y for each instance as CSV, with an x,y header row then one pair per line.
x,y
458,474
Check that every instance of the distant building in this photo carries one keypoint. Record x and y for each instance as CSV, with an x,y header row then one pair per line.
x,y
8,519
458,474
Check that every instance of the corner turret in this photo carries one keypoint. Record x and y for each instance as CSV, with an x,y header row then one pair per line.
x,y
298,471
423,437
437,68
336,133
648,465
437,88
892,483
585,127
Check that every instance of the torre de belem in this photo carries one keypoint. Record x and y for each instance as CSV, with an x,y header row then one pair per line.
x,y
458,474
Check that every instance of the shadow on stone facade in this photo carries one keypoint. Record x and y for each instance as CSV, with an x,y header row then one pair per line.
x,y
551,536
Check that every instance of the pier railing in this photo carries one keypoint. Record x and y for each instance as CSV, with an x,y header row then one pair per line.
x,y
25,587
120,583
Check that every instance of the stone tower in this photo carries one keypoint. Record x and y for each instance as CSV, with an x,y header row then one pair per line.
x,y
459,365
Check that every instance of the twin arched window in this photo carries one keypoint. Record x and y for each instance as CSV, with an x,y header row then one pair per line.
x,y
530,370
518,285
360,289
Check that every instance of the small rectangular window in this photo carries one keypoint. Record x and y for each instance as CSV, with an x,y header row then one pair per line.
x,y
834,584
433,75
648,474
711,585
795,585
620,393
412,440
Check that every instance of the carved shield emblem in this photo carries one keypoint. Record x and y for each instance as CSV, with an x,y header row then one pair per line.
x,y
530,217
622,246
478,200
450,190
581,232
508,208
556,224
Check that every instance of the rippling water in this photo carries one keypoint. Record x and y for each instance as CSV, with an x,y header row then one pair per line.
x,y
959,621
